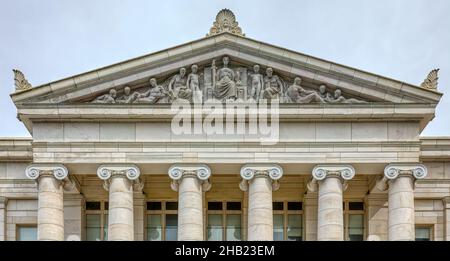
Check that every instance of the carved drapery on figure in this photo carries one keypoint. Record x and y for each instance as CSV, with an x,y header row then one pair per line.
x,y
20,81
225,87
224,83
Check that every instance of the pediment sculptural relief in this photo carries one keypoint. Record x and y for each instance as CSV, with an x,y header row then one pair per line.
x,y
225,83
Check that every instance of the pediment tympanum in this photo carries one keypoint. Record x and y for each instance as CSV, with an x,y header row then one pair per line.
x,y
252,71
225,83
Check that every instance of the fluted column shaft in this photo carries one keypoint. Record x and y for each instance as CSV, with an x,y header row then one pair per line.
x,y
259,181
190,181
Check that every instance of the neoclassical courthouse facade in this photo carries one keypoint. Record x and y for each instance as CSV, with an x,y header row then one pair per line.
x,y
105,162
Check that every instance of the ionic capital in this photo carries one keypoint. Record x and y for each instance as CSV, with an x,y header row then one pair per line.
x,y
394,170
320,172
132,172
34,171
250,171
3,202
179,171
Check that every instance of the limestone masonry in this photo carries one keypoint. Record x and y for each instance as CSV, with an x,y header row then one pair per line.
x,y
104,162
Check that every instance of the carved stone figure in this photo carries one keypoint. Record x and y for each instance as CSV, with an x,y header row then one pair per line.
x,y
20,81
338,98
127,97
227,83
326,96
192,81
155,94
178,85
297,94
273,86
107,98
209,95
225,87
256,83
193,84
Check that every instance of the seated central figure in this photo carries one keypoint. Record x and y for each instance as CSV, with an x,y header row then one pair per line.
x,y
225,87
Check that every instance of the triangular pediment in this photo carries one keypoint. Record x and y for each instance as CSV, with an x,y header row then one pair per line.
x,y
356,86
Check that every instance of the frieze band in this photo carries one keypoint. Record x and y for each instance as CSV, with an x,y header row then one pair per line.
x,y
225,84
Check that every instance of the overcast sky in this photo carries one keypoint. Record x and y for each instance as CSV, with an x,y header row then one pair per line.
x,y
52,39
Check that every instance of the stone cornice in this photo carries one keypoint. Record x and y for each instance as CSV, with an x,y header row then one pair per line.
x,y
369,111
435,148
16,149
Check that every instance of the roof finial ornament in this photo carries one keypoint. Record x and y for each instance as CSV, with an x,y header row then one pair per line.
x,y
225,22
431,82
20,81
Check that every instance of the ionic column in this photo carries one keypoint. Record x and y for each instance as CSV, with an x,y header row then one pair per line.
x,y
3,203
400,179
446,203
331,182
120,181
190,181
260,180
50,179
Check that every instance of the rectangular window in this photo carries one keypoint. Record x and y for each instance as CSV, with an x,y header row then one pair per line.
x,y
96,221
93,227
287,221
278,227
354,220
26,233
215,205
154,228
215,227
171,227
224,221
356,227
233,227
294,229
423,233
162,221
154,205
